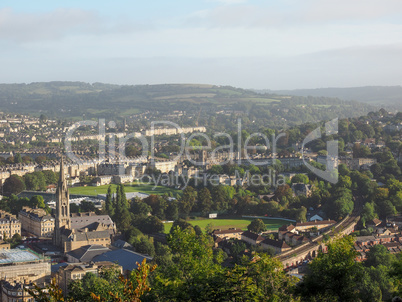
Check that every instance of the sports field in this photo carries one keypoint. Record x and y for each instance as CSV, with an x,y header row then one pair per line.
x,y
143,188
241,223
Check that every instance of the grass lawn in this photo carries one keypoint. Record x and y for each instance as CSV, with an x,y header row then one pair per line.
x,y
148,189
241,223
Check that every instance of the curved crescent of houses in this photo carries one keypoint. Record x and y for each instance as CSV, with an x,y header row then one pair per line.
x,y
310,250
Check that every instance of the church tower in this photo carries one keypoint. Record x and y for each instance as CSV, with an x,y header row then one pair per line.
x,y
62,220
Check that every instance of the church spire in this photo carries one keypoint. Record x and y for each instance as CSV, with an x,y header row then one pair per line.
x,y
62,207
62,168
62,178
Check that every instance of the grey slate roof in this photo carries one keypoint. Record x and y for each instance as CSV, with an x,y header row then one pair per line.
x,y
88,252
126,258
83,236
86,220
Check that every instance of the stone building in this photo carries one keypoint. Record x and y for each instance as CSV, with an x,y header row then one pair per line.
x,y
36,222
66,274
9,225
12,291
4,245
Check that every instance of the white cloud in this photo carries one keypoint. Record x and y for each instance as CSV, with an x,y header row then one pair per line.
x,y
60,23
346,10
45,26
295,13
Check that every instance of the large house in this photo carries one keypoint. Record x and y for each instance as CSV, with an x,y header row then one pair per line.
x,y
12,289
9,225
36,222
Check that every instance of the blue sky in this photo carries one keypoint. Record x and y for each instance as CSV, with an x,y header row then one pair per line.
x,y
283,44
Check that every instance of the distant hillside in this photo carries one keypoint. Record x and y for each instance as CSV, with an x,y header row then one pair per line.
x,y
388,96
76,98
200,102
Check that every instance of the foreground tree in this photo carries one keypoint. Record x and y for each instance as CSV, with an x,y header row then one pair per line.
x,y
191,272
336,276
396,273
333,276
195,273
109,286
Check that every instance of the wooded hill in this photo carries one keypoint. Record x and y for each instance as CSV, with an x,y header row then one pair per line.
x,y
75,99
388,96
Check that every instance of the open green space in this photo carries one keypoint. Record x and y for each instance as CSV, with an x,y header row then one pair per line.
x,y
135,187
240,223
261,100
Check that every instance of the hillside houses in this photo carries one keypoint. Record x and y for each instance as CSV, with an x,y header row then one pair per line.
x,y
251,238
278,246
292,238
364,243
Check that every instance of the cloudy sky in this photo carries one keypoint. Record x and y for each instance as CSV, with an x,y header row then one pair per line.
x,y
265,44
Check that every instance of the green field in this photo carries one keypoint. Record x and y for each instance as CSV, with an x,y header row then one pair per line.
x,y
148,189
241,223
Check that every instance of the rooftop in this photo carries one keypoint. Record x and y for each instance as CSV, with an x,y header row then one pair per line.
x,y
88,252
126,258
252,236
85,220
17,255
276,243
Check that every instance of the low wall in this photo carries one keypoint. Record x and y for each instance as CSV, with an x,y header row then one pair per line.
x,y
265,217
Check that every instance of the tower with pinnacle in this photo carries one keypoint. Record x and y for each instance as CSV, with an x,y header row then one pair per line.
x,y
62,219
